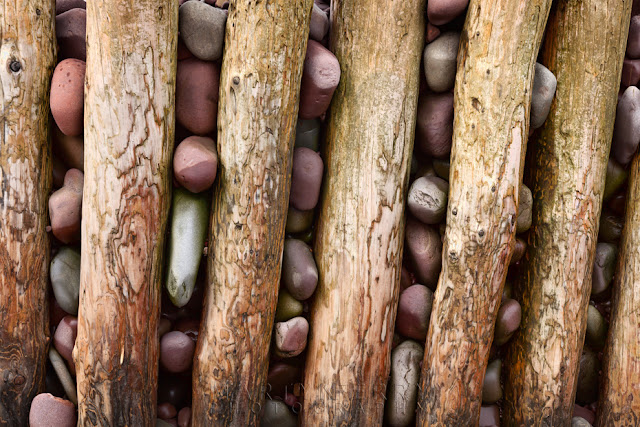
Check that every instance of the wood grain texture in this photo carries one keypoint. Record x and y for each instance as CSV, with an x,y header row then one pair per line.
x,y
27,60
619,403
128,134
492,96
584,47
369,142
265,46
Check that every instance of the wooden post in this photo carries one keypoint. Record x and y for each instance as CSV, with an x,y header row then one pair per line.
x,y
619,402
492,96
567,176
361,228
265,46
27,60
128,136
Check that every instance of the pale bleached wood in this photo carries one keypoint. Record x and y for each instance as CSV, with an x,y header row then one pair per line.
x,y
129,130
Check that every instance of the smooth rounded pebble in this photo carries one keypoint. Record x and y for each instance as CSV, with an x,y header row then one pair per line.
x,y
507,321
434,124
427,199
197,87
579,422
440,62
299,270
64,5
47,410
184,417
288,307
298,221
402,391
67,96
423,247
442,12
604,266
587,391
489,416
64,338
65,208
64,273
291,337
610,227
308,134
525,209
630,72
414,312
597,327
320,77
281,379
615,178
319,25
544,89
166,411
69,149
306,178
491,388
442,167
626,130
176,351
195,163
202,29
519,249
633,42
277,414
71,32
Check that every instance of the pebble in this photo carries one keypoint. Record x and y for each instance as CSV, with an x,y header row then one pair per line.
x,y
197,87
166,411
402,391
579,422
281,379
308,134
587,391
441,12
184,417
64,273
544,89
202,29
164,326
579,411
61,370
626,130
288,307
610,227
319,25
291,337
525,209
434,124
63,5
427,199
491,388
519,249
597,327
604,266
440,62
630,72
489,416
298,221
71,33
299,270
277,414
424,250
633,42
64,339
306,178
47,410
67,96
69,149
442,167
507,321
65,208
320,78
195,162
174,389
616,177
176,351
414,312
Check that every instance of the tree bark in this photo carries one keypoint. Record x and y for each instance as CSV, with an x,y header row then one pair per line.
x,y
129,131
265,46
498,48
27,60
619,402
584,47
369,142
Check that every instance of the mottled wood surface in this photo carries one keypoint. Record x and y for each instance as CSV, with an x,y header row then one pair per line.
x,y
492,97
27,60
584,47
265,46
369,141
129,130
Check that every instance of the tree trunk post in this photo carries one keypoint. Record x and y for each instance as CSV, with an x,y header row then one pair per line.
x,y
27,60
498,49
369,143
128,134
265,46
584,47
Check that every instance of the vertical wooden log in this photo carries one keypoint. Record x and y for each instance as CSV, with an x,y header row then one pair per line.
x,y
584,47
619,402
361,228
265,46
498,48
129,130
27,59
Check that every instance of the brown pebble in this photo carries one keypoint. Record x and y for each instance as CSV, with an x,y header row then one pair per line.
x,y
489,416
432,32
64,5
414,311
507,321
630,72
320,78
518,250
48,410
166,411
71,32
176,351
64,339
65,208
434,124
184,417
69,149
195,163
67,96
197,86
424,250
306,179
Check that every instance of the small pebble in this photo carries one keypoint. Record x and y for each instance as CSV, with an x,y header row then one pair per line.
x,y
47,411
184,417
320,78
626,130
579,422
579,411
630,72
319,25
281,379
67,96
65,208
610,227
64,273
442,12
604,266
402,391
507,321
423,247
299,270
166,411
306,178
544,89
491,388
519,249
434,124
176,351
597,327
298,221
64,339
197,87
633,42
616,177
195,162
71,33
277,414
525,209
587,391
414,312
202,29
440,62
291,337
427,199
432,32
489,416
288,307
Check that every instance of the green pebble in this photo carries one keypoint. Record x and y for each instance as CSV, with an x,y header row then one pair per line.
x,y
288,307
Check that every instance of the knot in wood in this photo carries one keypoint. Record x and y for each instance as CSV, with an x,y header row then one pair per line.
x,y
15,66
236,80
19,380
